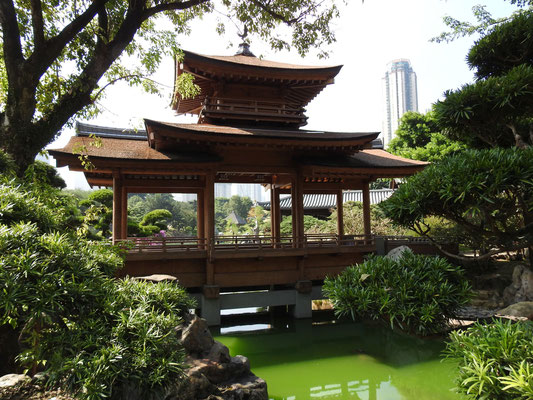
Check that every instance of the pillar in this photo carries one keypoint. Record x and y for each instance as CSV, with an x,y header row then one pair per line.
x,y
210,305
275,215
124,214
297,210
209,225
200,222
117,207
366,209
303,307
340,216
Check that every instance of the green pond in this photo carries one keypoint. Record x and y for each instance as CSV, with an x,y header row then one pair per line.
x,y
320,360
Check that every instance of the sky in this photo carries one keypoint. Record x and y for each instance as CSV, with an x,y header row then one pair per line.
x,y
369,35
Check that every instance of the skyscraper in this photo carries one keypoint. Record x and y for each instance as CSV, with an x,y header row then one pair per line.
x,y
400,94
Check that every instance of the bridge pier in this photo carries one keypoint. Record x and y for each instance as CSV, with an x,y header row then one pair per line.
x,y
299,299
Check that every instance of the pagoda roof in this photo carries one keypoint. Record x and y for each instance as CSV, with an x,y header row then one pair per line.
x,y
252,65
225,135
302,82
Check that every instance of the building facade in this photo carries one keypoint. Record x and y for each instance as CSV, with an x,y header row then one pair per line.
x,y
400,95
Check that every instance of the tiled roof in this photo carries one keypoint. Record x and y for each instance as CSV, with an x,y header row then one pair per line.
x,y
298,134
250,61
368,158
328,201
108,132
127,150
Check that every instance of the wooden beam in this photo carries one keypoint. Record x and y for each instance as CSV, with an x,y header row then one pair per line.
x,y
124,214
340,214
117,207
200,222
297,211
366,209
209,225
275,214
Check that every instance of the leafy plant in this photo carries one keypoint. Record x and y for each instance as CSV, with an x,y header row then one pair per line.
x,y
487,193
416,294
495,360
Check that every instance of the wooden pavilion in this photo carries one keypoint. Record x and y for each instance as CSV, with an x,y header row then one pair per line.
x,y
249,131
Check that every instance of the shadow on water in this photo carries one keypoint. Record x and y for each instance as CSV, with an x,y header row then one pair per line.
x,y
327,359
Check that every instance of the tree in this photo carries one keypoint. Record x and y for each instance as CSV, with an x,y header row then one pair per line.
x,y
58,56
487,193
418,137
496,110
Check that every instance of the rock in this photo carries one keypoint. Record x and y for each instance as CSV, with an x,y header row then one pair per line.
x,y
11,380
219,353
521,309
521,288
156,278
196,338
248,388
396,253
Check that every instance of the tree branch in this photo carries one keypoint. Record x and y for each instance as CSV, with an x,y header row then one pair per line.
x,y
275,14
38,25
55,45
182,5
13,56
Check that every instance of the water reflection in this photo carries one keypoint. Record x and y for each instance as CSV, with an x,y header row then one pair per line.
x,y
320,360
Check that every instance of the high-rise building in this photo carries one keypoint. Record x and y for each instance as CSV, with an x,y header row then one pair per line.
x,y
400,94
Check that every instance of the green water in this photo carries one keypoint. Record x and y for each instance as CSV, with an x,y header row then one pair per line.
x,y
300,360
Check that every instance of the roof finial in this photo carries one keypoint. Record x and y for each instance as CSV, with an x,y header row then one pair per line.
x,y
244,47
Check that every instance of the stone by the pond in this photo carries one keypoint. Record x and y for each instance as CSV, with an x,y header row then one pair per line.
x,y
156,278
196,338
521,289
522,309
213,374
397,252
10,380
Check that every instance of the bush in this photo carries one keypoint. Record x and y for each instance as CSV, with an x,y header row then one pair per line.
x,y
495,360
487,194
92,334
417,294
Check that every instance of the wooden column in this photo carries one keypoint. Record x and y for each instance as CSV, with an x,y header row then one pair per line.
x,y
340,215
275,214
297,210
366,209
209,225
200,222
124,215
117,207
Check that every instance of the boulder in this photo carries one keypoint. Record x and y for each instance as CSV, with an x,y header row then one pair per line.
x,y
196,338
396,253
522,309
521,288
11,380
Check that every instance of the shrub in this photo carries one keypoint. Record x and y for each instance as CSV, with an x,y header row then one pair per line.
x,y
417,294
495,360
92,334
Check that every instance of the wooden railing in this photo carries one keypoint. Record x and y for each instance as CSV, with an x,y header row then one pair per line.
x,y
252,109
241,243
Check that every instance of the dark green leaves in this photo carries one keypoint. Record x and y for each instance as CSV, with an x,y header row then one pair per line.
x,y
417,294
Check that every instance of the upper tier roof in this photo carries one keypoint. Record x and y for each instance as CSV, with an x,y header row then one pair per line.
x,y
297,84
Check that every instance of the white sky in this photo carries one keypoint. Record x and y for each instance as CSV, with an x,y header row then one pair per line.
x,y
369,36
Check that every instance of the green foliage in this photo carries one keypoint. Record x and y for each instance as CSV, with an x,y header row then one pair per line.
x,y
103,197
495,360
155,221
497,110
93,335
128,345
488,193
418,138
417,294
507,46
493,112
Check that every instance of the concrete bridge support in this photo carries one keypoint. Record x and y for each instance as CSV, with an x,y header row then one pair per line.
x,y
211,301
